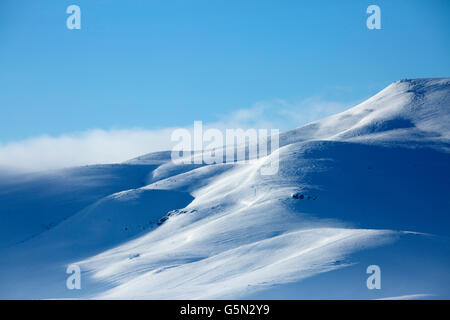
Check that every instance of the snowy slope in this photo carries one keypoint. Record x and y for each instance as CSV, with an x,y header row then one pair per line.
x,y
373,176
33,203
408,110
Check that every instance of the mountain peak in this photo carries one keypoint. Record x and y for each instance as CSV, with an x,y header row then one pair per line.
x,y
407,110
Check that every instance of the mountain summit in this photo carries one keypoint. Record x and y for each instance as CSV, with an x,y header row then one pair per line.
x,y
407,110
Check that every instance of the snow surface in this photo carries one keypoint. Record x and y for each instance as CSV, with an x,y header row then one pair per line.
x,y
366,186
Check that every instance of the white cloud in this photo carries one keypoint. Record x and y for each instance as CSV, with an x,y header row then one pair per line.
x,y
89,147
112,146
282,114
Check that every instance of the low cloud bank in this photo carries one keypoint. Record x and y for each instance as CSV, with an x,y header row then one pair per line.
x,y
89,147
100,146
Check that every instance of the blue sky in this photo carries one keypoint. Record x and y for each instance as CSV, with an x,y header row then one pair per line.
x,y
159,64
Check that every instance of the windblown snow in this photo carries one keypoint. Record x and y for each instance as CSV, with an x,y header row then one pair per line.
x,y
365,186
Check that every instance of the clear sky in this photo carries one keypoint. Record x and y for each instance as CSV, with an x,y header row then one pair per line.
x,y
157,64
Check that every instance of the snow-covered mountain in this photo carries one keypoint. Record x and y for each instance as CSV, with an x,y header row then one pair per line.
x,y
368,186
